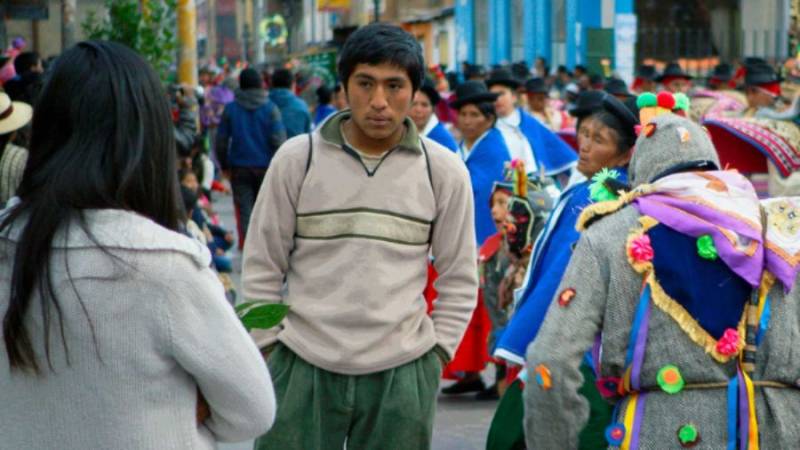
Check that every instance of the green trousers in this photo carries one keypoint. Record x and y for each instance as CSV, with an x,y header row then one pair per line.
x,y
317,409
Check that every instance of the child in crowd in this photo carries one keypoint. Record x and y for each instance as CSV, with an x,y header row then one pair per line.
x,y
218,239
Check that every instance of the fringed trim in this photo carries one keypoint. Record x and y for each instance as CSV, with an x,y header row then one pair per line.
x,y
690,326
598,210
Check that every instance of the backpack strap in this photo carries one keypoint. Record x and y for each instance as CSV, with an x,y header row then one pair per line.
x,y
310,150
430,180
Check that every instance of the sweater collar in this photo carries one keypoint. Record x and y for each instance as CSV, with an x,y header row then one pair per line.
x,y
331,132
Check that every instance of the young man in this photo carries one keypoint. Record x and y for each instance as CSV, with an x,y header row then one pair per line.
x,y
527,139
342,232
294,110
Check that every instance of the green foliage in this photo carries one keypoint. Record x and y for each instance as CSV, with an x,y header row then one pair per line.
x,y
151,33
260,315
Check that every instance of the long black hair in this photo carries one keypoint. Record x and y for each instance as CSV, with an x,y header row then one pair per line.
x,y
101,138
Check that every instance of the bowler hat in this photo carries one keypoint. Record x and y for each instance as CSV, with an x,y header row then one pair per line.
x,y
647,72
673,70
587,103
502,77
758,74
535,86
615,86
471,92
722,72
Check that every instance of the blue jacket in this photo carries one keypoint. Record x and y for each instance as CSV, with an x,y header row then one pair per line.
x,y
322,113
486,165
440,134
294,111
549,260
550,151
250,131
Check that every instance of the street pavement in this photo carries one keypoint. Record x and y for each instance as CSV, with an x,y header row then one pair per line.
x,y
461,423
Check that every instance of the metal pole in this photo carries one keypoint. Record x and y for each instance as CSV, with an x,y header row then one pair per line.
x,y
187,43
377,6
68,8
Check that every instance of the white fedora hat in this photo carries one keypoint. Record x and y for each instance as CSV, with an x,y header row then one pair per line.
x,y
13,115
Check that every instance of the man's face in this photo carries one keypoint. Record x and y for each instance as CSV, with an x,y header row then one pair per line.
x,y
421,110
380,98
505,103
758,98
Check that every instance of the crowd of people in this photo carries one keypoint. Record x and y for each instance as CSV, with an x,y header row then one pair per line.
x,y
586,239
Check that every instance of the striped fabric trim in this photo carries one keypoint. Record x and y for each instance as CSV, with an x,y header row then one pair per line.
x,y
364,223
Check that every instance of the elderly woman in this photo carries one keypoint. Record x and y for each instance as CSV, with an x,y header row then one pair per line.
x,y
665,279
605,137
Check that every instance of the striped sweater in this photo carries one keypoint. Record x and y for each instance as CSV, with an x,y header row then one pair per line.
x,y
352,246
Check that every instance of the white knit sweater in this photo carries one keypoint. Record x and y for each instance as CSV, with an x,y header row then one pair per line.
x,y
163,331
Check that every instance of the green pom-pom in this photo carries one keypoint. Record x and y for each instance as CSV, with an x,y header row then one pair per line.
x,y
682,101
646,99
706,248
598,190
688,434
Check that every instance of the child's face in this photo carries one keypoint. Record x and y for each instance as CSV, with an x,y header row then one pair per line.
x,y
190,181
500,209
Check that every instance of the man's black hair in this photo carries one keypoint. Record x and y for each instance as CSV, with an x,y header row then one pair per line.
x,y
25,61
324,95
379,43
281,78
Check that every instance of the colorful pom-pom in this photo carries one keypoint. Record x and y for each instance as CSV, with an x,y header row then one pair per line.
x,y
615,434
598,190
641,250
542,375
566,297
688,436
666,100
728,344
706,248
682,102
670,380
646,100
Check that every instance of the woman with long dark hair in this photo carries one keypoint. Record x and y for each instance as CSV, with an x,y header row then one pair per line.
x,y
117,334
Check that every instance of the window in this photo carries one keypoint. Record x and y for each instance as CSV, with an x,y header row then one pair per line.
x,y
518,15
480,16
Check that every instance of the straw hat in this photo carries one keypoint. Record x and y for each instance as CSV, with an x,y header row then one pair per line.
x,y
13,115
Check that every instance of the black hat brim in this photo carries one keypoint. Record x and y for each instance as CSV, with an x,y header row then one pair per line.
x,y
685,76
758,80
474,98
509,82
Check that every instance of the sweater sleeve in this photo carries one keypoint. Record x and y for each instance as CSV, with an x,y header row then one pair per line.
x,y
455,258
270,236
209,342
554,416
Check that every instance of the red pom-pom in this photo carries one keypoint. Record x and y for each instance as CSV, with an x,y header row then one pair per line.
x,y
666,100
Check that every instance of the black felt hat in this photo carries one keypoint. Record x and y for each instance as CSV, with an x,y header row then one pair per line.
x,y
502,77
429,89
471,92
520,70
758,74
474,70
626,117
647,72
722,72
587,103
615,86
535,86
673,70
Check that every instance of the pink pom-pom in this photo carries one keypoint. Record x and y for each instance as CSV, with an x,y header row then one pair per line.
x,y
728,344
666,100
641,250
